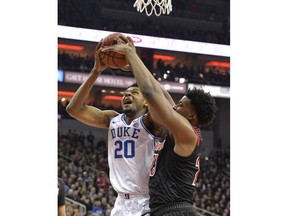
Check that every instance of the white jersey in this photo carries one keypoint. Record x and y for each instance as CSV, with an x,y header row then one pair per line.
x,y
130,152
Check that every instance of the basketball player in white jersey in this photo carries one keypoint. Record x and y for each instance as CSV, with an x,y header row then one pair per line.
x,y
131,139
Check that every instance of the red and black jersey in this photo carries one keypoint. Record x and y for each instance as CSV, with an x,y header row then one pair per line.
x,y
172,177
61,192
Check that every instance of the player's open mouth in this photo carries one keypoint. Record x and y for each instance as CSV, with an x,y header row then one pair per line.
x,y
127,101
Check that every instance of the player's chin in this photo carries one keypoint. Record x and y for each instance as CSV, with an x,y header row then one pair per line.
x,y
127,106
127,110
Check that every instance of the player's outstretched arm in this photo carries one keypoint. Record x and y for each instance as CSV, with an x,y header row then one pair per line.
x,y
78,109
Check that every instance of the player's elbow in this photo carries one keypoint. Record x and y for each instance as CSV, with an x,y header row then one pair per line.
x,y
71,110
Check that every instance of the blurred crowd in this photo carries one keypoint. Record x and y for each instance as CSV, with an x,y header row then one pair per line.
x,y
93,14
194,74
83,165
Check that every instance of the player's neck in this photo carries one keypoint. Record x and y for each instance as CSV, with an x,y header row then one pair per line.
x,y
129,117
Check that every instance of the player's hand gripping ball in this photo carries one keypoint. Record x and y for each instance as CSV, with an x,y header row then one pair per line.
x,y
112,59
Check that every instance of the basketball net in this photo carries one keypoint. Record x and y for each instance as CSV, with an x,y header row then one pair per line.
x,y
157,6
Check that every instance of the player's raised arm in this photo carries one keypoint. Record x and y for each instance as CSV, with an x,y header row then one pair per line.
x,y
78,108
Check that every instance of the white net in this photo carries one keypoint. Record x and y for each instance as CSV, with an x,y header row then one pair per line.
x,y
157,7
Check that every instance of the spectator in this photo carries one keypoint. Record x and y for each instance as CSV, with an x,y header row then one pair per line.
x,y
210,179
97,208
102,181
90,138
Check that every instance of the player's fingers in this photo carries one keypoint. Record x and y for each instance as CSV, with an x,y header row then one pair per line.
x,y
131,42
116,48
130,39
123,38
108,48
97,52
120,41
99,44
126,68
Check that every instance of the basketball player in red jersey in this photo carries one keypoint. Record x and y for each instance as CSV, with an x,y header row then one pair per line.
x,y
176,164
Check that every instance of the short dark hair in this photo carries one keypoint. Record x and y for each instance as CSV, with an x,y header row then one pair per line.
x,y
133,85
204,105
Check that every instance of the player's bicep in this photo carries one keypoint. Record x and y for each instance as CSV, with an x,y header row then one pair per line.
x,y
95,117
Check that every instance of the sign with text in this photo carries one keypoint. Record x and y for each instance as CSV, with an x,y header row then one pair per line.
x,y
147,41
119,81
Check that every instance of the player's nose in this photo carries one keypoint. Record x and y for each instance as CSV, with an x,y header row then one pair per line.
x,y
126,94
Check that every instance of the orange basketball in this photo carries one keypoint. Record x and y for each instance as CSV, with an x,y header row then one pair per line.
x,y
112,59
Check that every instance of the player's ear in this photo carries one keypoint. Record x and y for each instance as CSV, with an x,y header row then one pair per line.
x,y
146,104
192,117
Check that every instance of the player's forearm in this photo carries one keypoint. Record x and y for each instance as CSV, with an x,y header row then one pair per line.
x,y
79,98
143,74
146,82
168,96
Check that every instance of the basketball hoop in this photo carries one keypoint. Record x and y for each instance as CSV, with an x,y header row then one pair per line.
x,y
157,6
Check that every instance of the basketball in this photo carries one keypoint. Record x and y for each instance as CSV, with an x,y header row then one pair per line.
x,y
112,59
